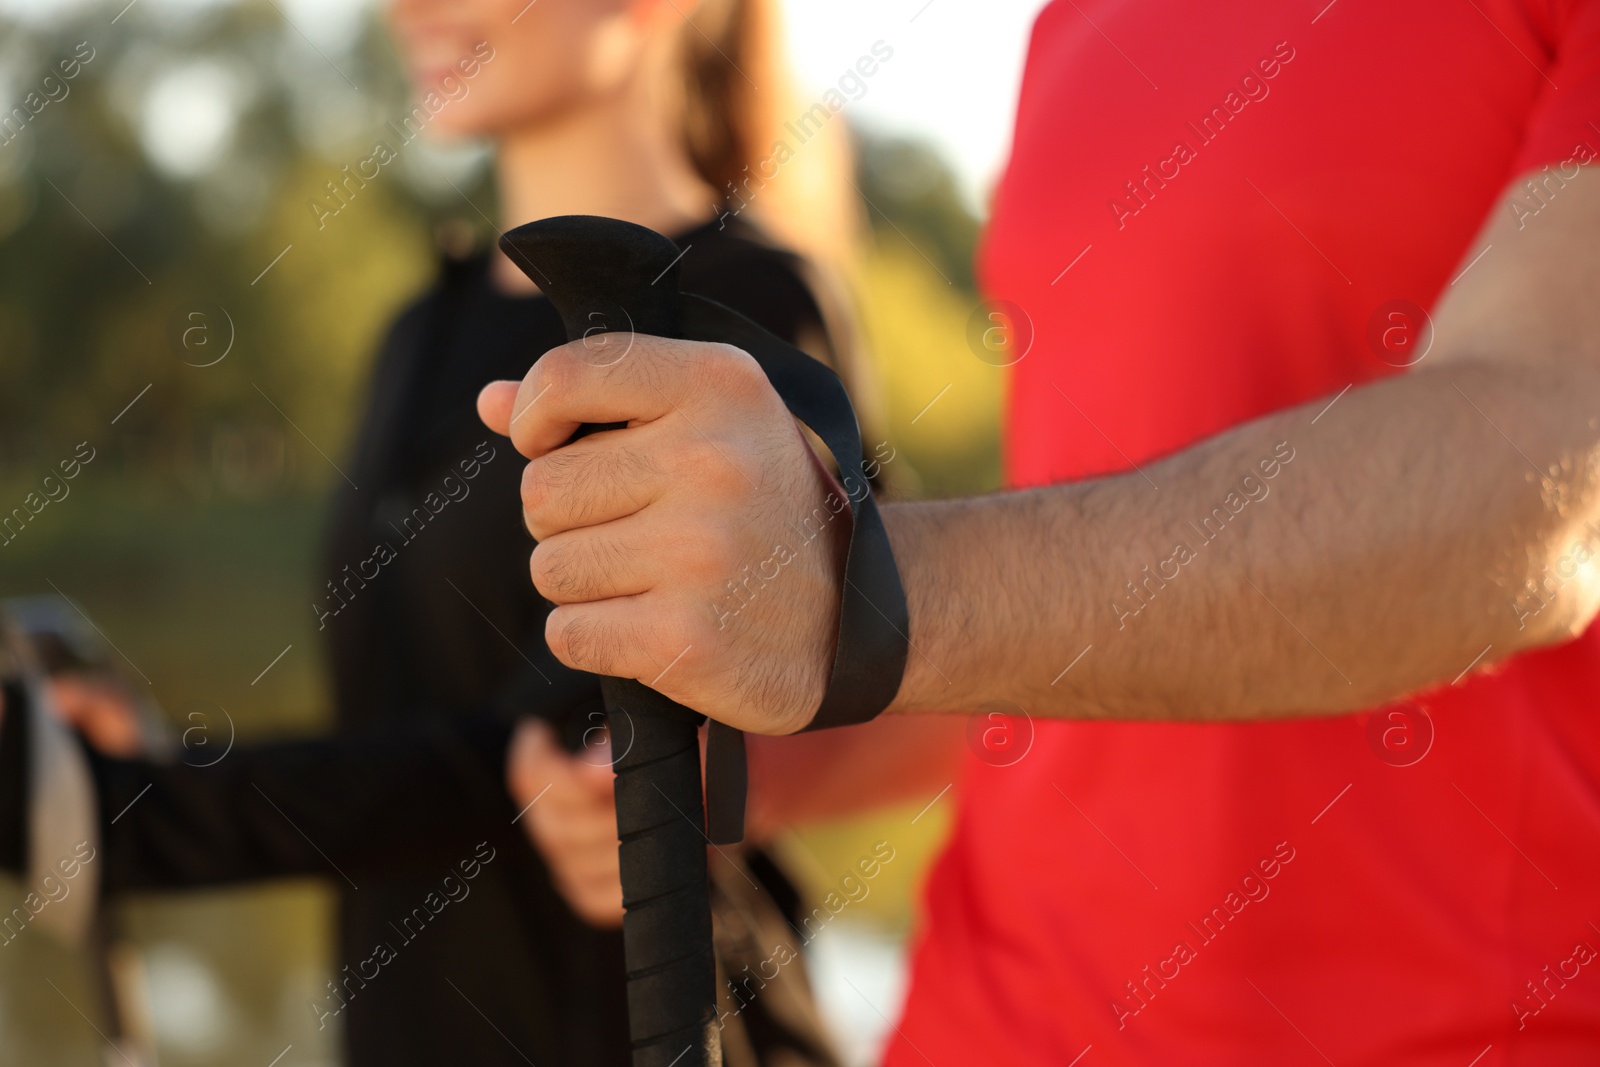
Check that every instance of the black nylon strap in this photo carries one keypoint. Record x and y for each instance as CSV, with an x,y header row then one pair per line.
x,y
727,783
870,658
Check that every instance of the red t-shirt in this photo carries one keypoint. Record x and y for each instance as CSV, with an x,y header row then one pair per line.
x,y
1319,899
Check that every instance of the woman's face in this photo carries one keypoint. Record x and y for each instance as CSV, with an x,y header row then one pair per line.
x,y
492,66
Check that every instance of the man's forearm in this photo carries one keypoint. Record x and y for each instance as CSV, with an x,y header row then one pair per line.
x,y
1382,545
1309,562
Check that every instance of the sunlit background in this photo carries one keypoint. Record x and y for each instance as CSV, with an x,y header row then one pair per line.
x,y
176,174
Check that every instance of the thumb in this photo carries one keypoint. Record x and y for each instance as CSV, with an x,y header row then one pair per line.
x,y
532,760
495,402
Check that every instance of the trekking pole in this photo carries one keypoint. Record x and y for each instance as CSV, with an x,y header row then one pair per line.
x,y
605,276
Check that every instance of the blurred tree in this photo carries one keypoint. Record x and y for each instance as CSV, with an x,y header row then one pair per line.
x,y
912,192
916,294
161,209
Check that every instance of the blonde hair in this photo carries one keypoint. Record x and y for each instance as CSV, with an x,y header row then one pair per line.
x,y
739,94
740,91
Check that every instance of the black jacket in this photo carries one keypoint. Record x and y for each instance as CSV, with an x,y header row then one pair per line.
x,y
452,626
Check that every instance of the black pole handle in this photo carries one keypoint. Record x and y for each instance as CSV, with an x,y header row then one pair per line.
x,y
608,279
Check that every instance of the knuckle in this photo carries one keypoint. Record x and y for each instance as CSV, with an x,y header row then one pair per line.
x,y
560,369
650,642
577,568
698,653
732,370
544,568
588,645
555,635
592,481
535,491
724,546
718,471
652,361
599,556
712,558
679,639
736,362
621,470
566,480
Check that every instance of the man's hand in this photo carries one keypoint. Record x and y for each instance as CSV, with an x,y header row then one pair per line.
x,y
570,815
699,549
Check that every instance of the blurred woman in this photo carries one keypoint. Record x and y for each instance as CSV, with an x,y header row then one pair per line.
x,y
659,112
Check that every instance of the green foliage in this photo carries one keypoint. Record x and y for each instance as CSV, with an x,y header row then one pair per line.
x,y
912,193
109,247
942,401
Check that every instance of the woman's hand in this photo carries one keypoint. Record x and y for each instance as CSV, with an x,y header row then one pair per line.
x,y
100,710
569,812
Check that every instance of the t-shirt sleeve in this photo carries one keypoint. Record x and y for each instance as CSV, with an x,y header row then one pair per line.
x,y
1565,123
